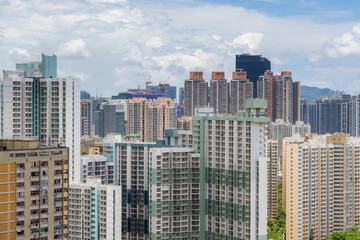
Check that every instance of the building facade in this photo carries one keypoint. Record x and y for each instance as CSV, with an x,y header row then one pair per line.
x,y
254,65
37,103
150,118
219,93
282,94
241,89
131,167
174,194
94,211
34,187
233,173
272,178
96,167
320,189
196,93
86,118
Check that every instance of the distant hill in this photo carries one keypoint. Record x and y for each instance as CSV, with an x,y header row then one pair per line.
x,y
313,93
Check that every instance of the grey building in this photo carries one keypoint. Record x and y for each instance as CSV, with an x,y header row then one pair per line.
x,y
109,118
181,96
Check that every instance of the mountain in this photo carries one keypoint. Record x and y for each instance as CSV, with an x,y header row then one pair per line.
x,y
313,93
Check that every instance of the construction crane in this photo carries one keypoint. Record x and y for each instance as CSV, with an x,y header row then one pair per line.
x,y
147,82
161,86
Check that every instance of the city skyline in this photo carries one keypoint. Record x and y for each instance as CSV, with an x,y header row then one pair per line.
x,y
109,37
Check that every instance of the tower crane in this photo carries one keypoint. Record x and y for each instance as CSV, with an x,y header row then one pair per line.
x,y
147,81
161,86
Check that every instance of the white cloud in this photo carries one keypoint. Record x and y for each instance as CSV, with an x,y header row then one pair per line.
x,y
216,37
107,1
74,48
278,61
199,59
314,58
67,73
125,15
250,40
154,42
346,45
19,51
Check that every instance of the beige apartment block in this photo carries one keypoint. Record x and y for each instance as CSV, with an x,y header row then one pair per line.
x,y
321,190
240,90
196,93
219,93
150,118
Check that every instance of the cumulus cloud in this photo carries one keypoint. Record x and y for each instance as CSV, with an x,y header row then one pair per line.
x,y
278,61
199,59
154,42
250,40
74,48
66,73
107,1
120,33
314,58
216,37
19,51
346,45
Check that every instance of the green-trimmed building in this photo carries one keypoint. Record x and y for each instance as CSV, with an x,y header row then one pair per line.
x,y
233,174
174,194
131,173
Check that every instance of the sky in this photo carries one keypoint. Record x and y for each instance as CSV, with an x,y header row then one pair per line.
x,y
102,41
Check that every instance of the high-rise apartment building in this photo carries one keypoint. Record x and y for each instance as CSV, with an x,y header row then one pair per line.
x,y
254,65
320,189
35,102
181,96
241,89
196,93
86,118
282,94
34,187
279,130
219,93
233,173
150,118
110,117
94,211
184,123
272,178
174,193
332,114
179,138
131,165
96,167
266,90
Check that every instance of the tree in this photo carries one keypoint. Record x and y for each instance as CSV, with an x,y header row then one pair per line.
x,y
277,228
353,234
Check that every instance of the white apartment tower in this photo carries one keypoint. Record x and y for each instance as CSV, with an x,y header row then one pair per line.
x,y
233,173
94,211
35,103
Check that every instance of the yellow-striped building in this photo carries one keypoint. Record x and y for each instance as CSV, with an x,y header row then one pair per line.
x,y
34,184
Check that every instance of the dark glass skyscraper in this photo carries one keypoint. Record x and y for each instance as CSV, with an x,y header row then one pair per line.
x,y
254,65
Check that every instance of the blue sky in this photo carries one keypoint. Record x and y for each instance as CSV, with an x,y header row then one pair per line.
x,y
101,41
